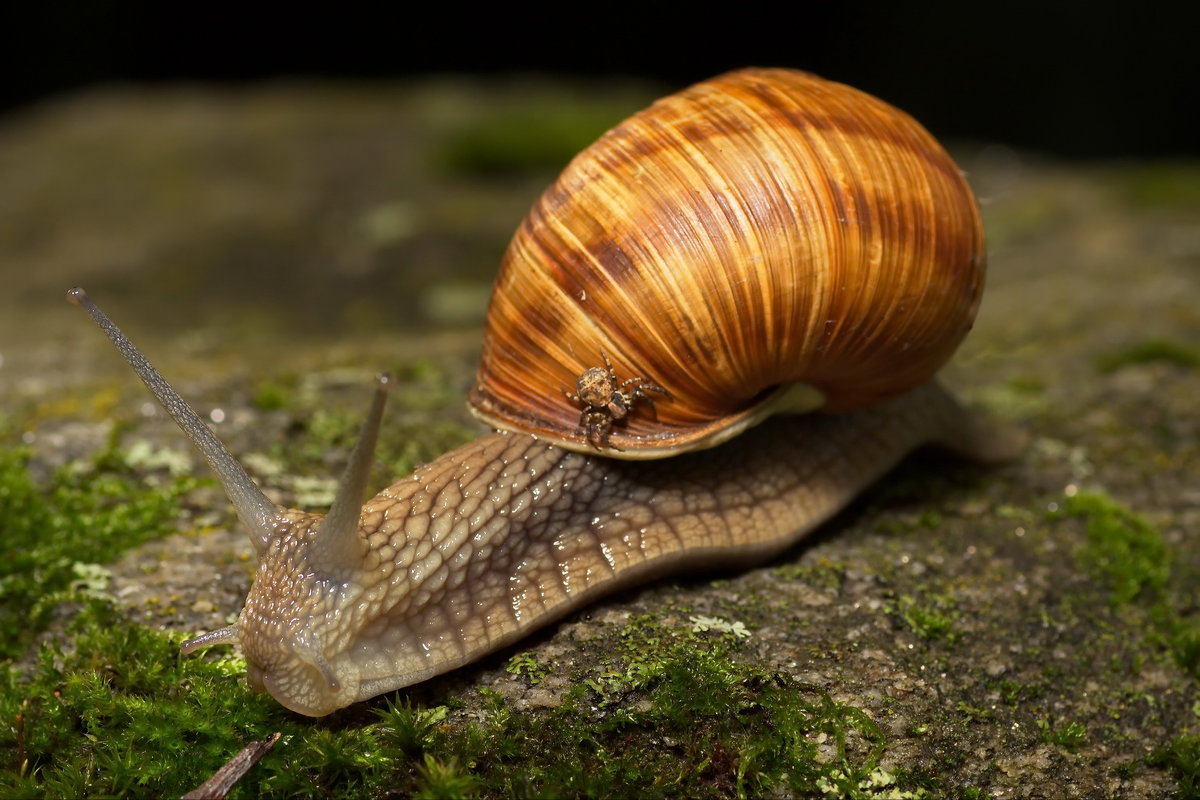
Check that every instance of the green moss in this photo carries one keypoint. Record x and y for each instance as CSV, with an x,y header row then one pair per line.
x,y
879,783
345,762
272,394
1182,757
526,664
1028,384
1185,645
930,519
930,617
1132,564
750,735
973,713
821,575
1022,397
1013,693
538,137
1124,553
53,534
121,711
672,713
1067,735
406,446
410,728
669,709
1150,351
1162,186
437,780
323,429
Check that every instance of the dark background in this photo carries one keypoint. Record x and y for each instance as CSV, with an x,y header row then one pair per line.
x,y
1070,79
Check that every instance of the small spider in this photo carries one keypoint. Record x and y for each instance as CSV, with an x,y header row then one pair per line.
x,y
606,400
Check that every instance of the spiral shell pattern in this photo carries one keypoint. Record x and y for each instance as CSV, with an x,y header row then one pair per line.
x,y
757,229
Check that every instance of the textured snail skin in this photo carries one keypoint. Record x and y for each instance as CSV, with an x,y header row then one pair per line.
x,y
508,533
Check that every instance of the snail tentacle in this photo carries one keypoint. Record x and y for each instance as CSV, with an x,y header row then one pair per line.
x,y
338,544
230,634
258,514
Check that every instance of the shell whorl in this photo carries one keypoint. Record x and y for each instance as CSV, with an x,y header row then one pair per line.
x,y
757,229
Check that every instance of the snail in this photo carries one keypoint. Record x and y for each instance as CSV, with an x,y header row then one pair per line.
x,y
763,241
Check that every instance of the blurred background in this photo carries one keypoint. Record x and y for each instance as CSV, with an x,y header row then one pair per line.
x,y
1070,78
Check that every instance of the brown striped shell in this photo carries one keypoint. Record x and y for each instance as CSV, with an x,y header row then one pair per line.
x,y
763,228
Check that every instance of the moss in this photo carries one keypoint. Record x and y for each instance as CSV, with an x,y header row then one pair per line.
x,y
878,783
930,617
720,730
673,714
274,393
1013,693
973,713
1185,645
672,709
539,137
1012,223
1023,397
1027,614
1151,351
91,715
437,780
1027,384
1182,757
1124,552
410,728
821,575
1067,735
526,664
1165,185
54,534
1132,565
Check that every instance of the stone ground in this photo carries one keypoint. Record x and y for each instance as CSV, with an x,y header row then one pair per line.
x,y
333,230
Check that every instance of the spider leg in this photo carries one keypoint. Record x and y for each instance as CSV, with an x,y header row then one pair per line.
x,y
602,430
640,393
591,428
642,385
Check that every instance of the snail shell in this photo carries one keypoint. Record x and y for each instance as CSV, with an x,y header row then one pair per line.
x,y
763,228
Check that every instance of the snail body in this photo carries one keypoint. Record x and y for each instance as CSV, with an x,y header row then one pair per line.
x,y
519,527
509,533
